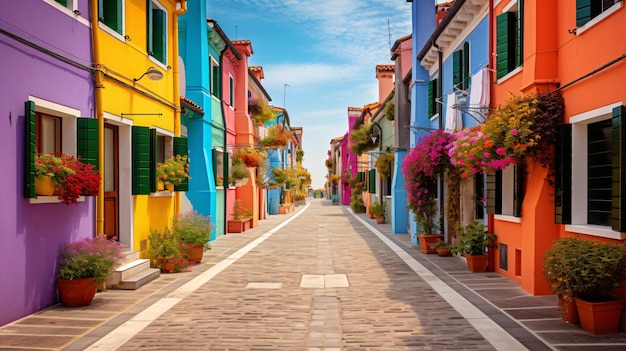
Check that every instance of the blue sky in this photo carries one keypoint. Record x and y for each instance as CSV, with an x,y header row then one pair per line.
x,y
325,50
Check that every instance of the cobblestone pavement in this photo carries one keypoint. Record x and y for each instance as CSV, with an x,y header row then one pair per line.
x,y
318,279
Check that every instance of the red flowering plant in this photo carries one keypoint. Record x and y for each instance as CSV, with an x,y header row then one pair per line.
x,y
250,157
71,177
89,257
523,126
420,168
276,137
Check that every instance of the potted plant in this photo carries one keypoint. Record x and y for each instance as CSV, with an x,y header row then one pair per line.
x,y
378,209
241,218
276,137
164,249
82,265
194,232
260,112
250,157
66,176
587,272
472,241
442,248
173,171
239,175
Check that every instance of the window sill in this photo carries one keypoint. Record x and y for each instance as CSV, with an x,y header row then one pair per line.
x,y
162,194
580,30
51,200
506,218
509,75
434,117
595,230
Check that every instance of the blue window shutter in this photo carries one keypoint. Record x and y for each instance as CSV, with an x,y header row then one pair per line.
x,y
88,141
618,212
30,127
141,152
181,147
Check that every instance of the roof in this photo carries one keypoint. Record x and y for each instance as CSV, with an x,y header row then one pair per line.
x,y
355,109
221,33
189,104
258,84
385,68
397,43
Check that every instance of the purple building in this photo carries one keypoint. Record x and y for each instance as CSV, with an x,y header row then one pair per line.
x,y
45,69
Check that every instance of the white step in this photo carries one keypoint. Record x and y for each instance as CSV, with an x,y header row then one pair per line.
x,y
139,279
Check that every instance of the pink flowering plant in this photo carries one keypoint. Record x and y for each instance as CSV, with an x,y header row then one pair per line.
x,y
523,126
420,169
89,257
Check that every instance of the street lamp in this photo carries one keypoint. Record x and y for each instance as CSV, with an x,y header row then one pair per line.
x,y
377,135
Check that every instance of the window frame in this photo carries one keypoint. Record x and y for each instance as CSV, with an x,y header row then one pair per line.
x,y
580,174
231,89
592,21
214,79
515,59
122,22
150,35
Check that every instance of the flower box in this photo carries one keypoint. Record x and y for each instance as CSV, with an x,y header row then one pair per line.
x,y
239,225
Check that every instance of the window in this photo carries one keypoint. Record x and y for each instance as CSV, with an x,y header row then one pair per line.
x,y
505,191
433,98
589,173
460,67
215,78
231,91
149,147
111,13
509,39
71,5
51,127
586,10
157,31
48,133
218,166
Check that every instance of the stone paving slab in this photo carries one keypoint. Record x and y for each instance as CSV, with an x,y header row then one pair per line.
x,y
256,301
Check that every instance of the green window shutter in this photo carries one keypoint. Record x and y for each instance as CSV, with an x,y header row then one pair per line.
x,y
431,98
111,14
154,159
563,175
583,12
518,189
30,127
149,24
465,69
88,141
372,185
232,91
361,176
214,164
159,35
216,81
505,43
141,174
181,147
457,58
494,193
618,217
479,193
226,170
519,47
62,2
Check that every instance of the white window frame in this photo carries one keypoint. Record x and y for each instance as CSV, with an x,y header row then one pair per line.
x,y
69,124
579,173
231,91
116,35
213,63
599,18
71,10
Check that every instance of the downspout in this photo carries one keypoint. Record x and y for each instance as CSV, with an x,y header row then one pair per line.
x,y
179,12
225,186
99,80
490,217
439,107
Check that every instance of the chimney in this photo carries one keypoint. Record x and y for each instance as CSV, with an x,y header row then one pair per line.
x,y
384,74
258,72
441,11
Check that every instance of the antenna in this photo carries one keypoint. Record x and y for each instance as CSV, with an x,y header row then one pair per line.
x,y
235,32
389,31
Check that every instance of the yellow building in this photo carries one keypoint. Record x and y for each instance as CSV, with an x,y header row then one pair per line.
x,y
135,50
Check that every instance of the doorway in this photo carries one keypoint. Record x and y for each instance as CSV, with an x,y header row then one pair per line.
x,y
111,181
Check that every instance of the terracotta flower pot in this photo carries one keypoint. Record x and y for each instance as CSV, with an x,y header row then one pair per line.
x,y
477,263
599,317
443,251
196,252
380,219
77,292
427,240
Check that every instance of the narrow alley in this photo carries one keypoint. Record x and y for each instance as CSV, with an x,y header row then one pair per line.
x,y
321,278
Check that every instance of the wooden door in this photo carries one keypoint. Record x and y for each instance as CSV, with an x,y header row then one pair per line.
x,y
111,181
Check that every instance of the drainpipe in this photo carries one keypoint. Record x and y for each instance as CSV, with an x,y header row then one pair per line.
x,y
180,10
490,217
440,94
98,81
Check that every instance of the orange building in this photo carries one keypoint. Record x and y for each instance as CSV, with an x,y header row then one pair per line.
x,y
555,47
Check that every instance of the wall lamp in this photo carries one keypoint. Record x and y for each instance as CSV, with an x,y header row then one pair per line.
x,y
376,134
152,73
